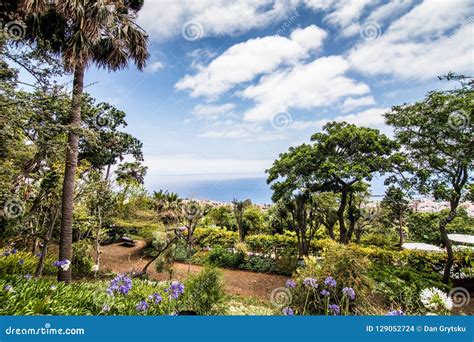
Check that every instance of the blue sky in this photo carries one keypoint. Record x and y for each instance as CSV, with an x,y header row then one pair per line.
x,y
231,84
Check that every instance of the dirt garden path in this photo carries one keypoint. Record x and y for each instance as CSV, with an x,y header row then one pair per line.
x,y
121,259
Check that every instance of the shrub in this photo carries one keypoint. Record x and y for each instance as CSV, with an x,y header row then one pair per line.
x,y
224,258
423,227
347,266
48,297
82,262
24,263
205,292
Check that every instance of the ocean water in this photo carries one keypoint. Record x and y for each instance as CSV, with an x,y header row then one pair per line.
x,y
225,190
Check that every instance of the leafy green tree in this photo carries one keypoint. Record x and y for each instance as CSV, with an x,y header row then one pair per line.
x,y
83,32
437,136
254,219
337,161
239,210
397,205
326,203
107,144
303,217
221,216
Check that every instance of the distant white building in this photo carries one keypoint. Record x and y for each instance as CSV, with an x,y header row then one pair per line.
x,y
429,205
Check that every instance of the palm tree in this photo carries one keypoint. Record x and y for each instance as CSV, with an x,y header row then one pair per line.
x,y
169,207
84,32
239,210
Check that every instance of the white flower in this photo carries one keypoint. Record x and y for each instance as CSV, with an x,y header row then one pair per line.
x,y
52,287
66,265
435,299
95,268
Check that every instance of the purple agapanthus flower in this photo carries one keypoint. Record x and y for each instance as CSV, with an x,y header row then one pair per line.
x,y
310,282
156,298
290,284
142,306
325,293
175,290
288,311
395,313
105,308
121,284
13,251
28,276
335,309
39,254
8,288
349,292
6,253
63,264
330,281
21,262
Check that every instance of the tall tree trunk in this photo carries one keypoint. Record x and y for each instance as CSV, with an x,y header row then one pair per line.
x,y
97,241
330,229
449,246
107,174
340,215
44,250
400,230
67,205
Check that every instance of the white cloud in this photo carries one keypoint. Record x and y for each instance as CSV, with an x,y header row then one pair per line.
x,y
154,66
245,61
164,19
244,131
352,103
347,12
369,117
389,9
317,84
421,45
344,14
212,112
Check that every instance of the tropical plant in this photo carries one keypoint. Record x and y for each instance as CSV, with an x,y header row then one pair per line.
x,y
83,32
437,136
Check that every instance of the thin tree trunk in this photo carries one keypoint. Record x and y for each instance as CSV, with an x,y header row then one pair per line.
x,y
400,230
449,246
107,174
97,235
340,216
44,250
65,240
